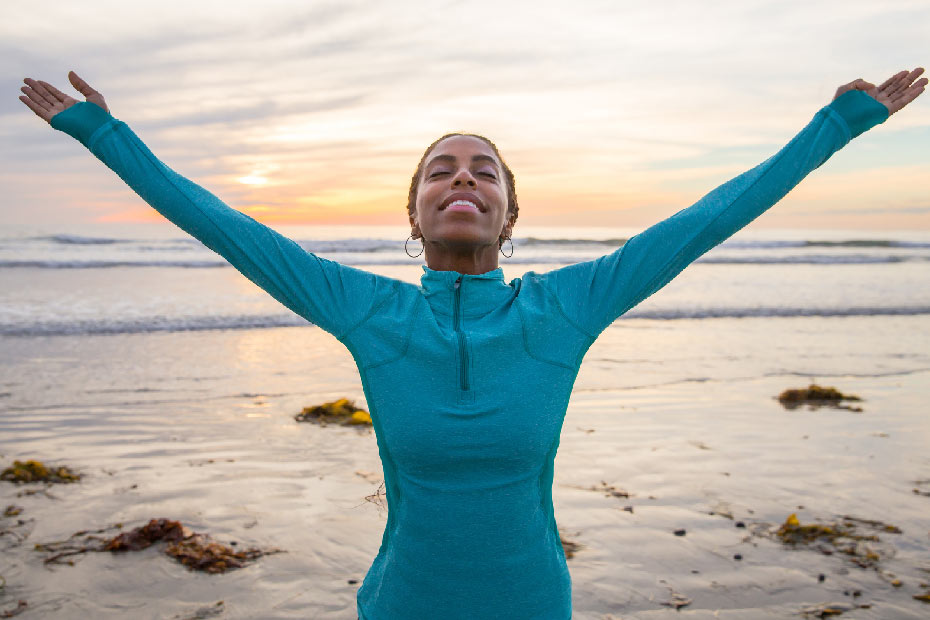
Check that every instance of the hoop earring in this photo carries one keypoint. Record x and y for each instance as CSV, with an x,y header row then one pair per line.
x,y
501,248
408,253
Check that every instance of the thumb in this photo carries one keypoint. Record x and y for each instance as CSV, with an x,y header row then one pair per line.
x,y
81,86
84,88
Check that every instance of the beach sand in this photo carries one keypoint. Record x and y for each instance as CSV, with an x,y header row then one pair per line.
x,y
198,426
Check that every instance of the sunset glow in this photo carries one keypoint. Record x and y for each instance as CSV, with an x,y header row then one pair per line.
x,y
625,114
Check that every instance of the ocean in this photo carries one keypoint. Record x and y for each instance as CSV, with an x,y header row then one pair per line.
x,y
140,357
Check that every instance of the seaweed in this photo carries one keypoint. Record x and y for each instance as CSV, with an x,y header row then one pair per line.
x,y
342,411
17,530
379,497
194,550
609,490
35,471
20,608
827,610
569,547
198,552
842,536
156,530
210,611
815,396
676,600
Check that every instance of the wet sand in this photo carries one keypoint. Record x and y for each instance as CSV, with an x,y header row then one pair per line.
x,y
199,427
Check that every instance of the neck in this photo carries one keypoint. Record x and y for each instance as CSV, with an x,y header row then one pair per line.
x,y
474,261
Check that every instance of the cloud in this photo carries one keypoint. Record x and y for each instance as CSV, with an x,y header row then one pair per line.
x,y
641,102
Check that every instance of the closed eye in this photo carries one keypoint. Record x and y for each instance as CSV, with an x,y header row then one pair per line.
x,y
441,172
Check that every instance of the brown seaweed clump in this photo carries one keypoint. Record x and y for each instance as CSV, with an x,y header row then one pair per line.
x,y
20,608
36,471
828,610
196,551
569,547
817,396
842,536
156,530
342,411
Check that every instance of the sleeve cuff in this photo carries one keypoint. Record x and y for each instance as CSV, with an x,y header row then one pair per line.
x,y
81,121
860,111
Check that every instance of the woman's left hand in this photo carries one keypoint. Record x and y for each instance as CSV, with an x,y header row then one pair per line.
x,y
896,92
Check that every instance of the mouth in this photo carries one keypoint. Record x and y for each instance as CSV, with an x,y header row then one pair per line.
x,y
462,202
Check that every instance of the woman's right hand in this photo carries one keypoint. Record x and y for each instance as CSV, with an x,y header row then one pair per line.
x,y
47,101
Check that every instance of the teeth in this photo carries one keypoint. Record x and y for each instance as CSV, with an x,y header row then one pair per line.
x,y
466,203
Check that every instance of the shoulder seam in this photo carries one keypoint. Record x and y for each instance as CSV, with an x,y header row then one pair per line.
x,y
370,314
525,339
403,351
558,304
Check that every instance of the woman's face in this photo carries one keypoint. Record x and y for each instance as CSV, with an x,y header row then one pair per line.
x,y
461,170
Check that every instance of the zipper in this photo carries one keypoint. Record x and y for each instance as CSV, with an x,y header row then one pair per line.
x,y
457,325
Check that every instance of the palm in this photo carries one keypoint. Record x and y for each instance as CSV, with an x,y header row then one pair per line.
x,y
47,101
895,92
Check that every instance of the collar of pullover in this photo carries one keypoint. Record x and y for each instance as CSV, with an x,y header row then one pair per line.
x,y
479,293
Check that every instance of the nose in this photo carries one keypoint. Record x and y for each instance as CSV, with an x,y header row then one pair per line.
x,y
463,177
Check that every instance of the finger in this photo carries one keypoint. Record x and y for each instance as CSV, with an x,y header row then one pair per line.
x,y
40,90
905,81
81,86
889,81
41,113
54,92
913,75
35,97
904,97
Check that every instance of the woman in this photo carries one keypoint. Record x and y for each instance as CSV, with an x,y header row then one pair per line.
x,y
467,376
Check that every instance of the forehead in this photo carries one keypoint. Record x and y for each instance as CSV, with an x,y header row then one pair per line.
x,y
461,147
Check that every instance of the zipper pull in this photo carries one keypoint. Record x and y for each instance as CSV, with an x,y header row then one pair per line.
x,y
458,282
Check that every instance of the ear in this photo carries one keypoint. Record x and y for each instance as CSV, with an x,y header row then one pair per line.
x,y
414,228
508,227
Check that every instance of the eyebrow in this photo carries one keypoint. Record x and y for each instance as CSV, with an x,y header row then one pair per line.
x,y
452,158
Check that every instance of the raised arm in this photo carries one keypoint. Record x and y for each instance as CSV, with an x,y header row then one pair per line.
x,y
594,293
333,296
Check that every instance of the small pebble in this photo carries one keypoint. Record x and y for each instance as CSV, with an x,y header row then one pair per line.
x,y
740,524
353,581
738,556
695,571
680,532
821,577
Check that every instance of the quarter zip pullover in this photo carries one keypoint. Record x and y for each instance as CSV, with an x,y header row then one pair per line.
x,y
467,377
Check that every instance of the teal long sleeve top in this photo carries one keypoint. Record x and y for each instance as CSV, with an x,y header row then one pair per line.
x,y
467,377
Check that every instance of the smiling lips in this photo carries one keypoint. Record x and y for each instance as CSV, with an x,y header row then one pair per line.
x,y
462,205
463,202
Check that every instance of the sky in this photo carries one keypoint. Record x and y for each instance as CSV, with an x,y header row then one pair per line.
x,y
610,113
